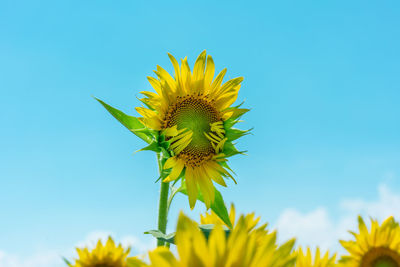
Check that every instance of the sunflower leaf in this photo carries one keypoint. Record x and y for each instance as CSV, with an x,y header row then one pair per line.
x,y
132,123
161,236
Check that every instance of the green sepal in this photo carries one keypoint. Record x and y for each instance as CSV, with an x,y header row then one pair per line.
x,y
237,111
161,138
230,150
152,147
132,123
165,153
165,144
164,174
233,133
225,164
218,206
148,132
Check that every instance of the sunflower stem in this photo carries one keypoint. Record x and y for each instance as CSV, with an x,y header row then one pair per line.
x,y
163,204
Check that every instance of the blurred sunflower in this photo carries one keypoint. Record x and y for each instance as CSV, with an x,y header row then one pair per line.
x,y
193,113
306,260
250,220
379,247
108,255
239,248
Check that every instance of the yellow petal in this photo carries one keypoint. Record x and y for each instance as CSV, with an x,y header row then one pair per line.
x,y
191,186
171,162
217,83
155,84
171,131
176,171
209,73
198,70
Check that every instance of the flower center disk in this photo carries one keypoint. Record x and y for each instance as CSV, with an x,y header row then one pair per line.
x,y
194,113
381,257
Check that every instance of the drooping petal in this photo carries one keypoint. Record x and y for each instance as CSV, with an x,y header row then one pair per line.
x,y
176,171
191,186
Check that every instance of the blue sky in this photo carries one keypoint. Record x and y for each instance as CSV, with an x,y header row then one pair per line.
x,y
322,80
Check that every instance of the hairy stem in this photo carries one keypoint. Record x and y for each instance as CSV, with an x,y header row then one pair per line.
x,y
163,204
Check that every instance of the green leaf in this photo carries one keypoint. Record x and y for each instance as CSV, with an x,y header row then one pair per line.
x,y
161,236
132,123
218,206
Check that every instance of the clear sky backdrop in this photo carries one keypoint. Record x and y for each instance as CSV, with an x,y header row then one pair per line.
x,y
321,77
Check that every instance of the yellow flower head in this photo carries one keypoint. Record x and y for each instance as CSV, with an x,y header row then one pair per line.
x,y
239,248
250,220
108,255
193,112
379,247
306,260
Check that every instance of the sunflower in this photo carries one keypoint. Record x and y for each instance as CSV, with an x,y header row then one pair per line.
x,y
212,218
239,248
192,113
108,255
379,247
306,260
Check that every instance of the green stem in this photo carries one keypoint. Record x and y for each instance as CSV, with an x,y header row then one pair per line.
x,y
163,205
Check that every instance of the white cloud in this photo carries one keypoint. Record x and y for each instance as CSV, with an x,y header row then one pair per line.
x,y
44,259
310,228
319,228
388,204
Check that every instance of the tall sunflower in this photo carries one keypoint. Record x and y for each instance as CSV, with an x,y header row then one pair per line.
x,y
239,248
108,255
379,247
305,259
192,113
